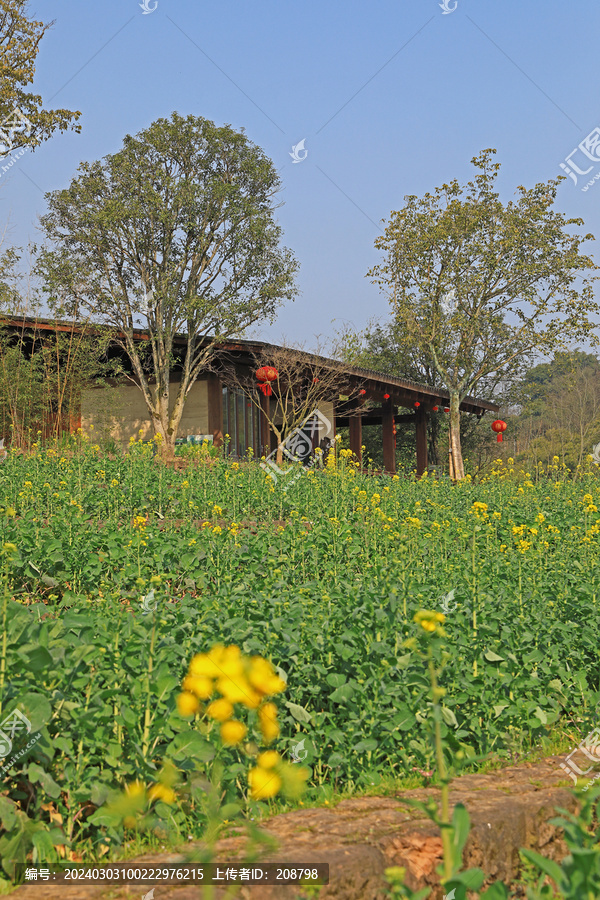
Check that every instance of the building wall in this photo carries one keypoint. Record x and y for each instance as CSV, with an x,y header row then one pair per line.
x,y
119,412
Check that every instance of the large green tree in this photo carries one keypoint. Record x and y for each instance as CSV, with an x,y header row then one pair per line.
x,y
560,409
480,286
23,120
177,230
384,346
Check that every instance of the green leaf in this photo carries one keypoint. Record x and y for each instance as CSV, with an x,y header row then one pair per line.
x,y
298,712
496,891
449,717
37,709
8,811
461,824
39,659
165,684
470,879
547,866
342,694
493,657
190,745
37,774
368,744
542,716
44,846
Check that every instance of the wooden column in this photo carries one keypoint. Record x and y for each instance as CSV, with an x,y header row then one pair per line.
x,y
355,422
389,443
265,429
215,408
421,436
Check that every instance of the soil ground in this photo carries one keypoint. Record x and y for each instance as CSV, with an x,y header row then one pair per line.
x,y
359,838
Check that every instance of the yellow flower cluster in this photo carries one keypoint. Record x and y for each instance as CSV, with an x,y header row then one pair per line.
x,y
480,509
430,621
247,681
238,679
135,799
271,774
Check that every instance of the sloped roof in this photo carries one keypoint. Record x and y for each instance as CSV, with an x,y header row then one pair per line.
x,y
402,391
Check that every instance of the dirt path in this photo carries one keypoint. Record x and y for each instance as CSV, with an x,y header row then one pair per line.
x,y
509,809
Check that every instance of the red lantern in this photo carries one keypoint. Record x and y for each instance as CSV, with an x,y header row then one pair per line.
x,y
446,409
362,393
265,375
386,396
435,408
417,404
499,426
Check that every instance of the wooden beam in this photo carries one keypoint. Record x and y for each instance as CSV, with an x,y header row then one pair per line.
x,y
355,423
389,440
344,421
421,440
215,408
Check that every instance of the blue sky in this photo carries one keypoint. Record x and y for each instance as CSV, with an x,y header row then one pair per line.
x,y
391,98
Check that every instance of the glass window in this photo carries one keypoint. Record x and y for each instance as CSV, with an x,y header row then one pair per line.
x,y
241,421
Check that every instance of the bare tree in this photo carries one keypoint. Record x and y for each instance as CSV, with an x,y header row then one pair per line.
x,y
303,382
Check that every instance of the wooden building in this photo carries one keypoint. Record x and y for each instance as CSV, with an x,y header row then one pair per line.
x,y
117,411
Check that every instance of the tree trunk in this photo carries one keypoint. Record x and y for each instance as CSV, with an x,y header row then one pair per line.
x,y
279,456
163,426
457,472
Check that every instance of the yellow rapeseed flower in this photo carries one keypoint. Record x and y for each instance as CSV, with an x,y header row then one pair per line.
x,y
268,759
135,789
199,685
430,621
207,663
187,704
162,792
233,732
263,678
220,709
264,783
